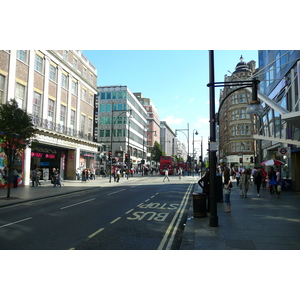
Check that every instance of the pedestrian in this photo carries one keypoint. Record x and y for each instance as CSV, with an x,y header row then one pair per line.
x,y
118,174
264,178
237,177
227,191
246,180
56,179
258,180
180,173
38,176
272,182
166,175
33,176
15,178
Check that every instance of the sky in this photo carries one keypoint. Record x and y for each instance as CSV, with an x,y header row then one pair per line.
x,y
175,81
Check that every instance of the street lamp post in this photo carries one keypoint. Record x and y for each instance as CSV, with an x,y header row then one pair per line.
x,y
187,136
193,163
143,156
111,133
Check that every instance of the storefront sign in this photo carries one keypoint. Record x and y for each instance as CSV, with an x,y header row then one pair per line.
x,y
43,155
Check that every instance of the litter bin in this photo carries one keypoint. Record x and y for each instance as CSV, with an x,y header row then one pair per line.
x,y
199,205
219,188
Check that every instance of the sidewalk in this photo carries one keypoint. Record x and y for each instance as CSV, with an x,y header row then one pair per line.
x,y
254,223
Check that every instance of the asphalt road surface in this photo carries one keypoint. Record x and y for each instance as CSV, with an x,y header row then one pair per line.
x,y
146,214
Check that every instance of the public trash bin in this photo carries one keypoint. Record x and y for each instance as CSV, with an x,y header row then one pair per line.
x,y
219,188
199,205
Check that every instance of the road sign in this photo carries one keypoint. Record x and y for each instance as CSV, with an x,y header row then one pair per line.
x,y
283,151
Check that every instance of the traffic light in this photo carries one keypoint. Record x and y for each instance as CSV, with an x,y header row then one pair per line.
x,y
251,159
241,160
200,158
109,156
127,158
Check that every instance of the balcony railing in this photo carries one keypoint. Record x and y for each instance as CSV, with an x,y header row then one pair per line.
x,y
62,129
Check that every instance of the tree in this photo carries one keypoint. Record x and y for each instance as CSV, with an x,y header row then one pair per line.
x,y
16,131
156,152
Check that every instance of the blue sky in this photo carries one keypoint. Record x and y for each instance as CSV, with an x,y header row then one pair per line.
x,y
175,81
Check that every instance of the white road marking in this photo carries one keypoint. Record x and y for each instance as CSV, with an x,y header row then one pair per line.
x,y
78,203
15,222
116,192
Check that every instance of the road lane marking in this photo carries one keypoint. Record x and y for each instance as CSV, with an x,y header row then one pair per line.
x,y
115,220
116,192
93,234
129,211
78,203
15,222
170,228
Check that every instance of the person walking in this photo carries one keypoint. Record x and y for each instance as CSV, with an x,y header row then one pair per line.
x,y
272,182
33,177
246,180
166,175
258,180
180,173
264,177
237,177
227,191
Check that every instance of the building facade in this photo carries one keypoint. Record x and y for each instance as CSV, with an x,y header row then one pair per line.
x,y
122,126
152,130
278,128
57,87
237,146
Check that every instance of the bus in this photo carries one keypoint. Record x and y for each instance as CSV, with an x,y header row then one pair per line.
x,y
167,162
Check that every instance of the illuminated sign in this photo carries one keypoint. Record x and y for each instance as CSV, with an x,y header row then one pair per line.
x,y
43,155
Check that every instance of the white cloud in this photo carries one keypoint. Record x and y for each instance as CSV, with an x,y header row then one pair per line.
x,y
172,120
192,99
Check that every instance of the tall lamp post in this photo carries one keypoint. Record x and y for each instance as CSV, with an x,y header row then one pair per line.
x,y
111,133
187,136
253,108
193,163
143,158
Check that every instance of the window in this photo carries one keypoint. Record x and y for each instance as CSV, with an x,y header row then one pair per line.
x,y
102,108
107,133
36,108
65,55
102,120
84,72
107,120
75,63
82,124
2,81
108,107
22,55
63,110
114,95
83,94
73,121
90,126
39,63
20,95
64,81
52,73
91,99
108,95
51,107
101,133
102,96
74,87
91,78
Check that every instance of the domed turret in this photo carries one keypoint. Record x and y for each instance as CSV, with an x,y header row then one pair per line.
x,y
241,66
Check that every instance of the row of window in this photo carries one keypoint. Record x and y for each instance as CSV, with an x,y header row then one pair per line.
x,y
116,120
240,130
239,98
241,146
113,95
39,64
107,107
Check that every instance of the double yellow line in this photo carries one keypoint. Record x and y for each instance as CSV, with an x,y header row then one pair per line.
x,y
173,228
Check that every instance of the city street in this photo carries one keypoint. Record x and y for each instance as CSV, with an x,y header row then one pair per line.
x,y
141,213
